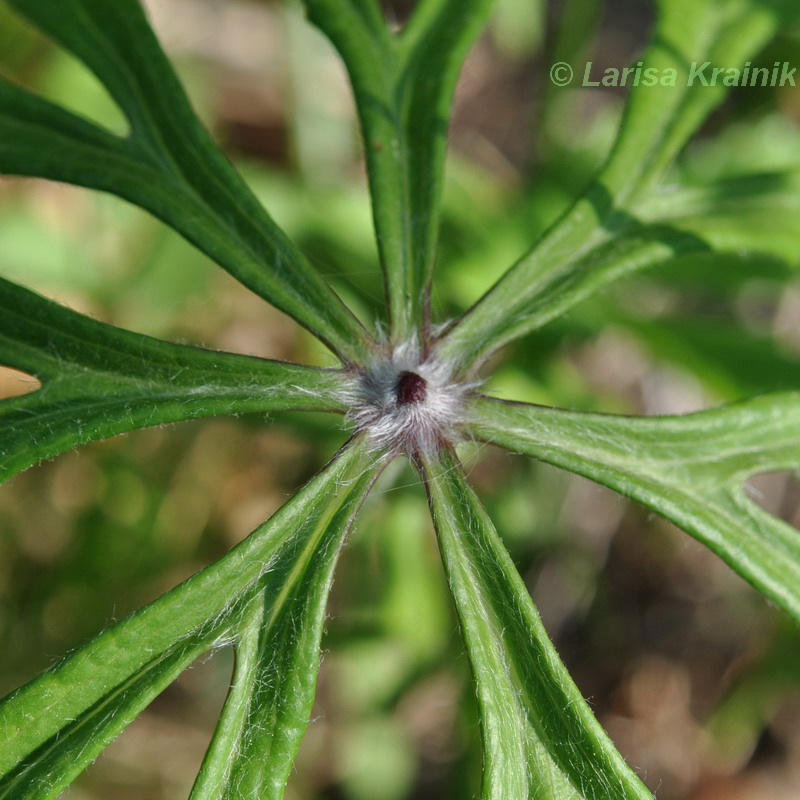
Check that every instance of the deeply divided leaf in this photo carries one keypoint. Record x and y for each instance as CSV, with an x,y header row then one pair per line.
x,y
168,164
657,122
540,739
98,381
54,726
403,86
691,469
270,702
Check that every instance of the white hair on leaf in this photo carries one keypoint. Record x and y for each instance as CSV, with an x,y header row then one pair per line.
x,y
405,403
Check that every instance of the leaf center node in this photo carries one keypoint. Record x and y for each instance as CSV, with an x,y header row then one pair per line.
x,y
410,388
406,402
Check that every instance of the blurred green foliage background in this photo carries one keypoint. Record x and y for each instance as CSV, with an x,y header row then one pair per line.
x,y
696,679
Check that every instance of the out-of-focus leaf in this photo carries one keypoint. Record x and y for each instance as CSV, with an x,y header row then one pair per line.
x,y
750,213
729,358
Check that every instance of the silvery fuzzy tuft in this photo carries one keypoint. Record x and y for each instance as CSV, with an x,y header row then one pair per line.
x,y
418,419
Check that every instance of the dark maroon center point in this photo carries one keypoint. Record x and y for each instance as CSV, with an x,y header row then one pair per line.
x,y
410,388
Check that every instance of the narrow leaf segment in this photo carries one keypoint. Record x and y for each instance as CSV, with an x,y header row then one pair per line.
x,y
270,702
54,726
691,469
168,164
403,85
657,123
540,738
98,381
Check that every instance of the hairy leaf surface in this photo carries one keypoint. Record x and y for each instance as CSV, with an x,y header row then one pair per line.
x,y
691,469
168,164
403,86
270,702
54,726
540,739
657,122
98,381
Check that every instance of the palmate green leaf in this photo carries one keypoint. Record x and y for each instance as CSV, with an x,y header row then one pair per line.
x,y
658,121
761,219
691,469
270,701
168,164
98,381
540,739
403,86
752,214
55,725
